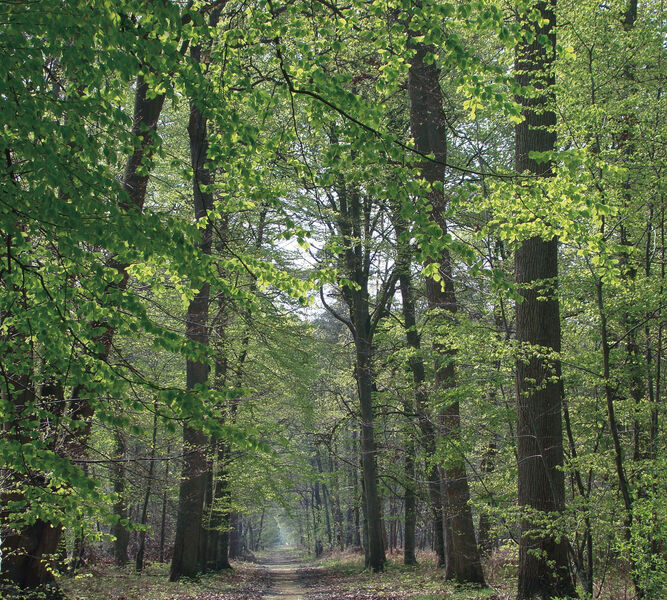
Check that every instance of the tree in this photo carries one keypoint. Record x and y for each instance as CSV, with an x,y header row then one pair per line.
x,y
543,561
28,548
427,124
354,221
189,525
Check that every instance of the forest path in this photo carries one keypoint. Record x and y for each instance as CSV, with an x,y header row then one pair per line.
x,y
283,566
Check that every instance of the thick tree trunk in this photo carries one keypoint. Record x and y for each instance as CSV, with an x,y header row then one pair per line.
x,y
184,562
543,563
427,124
195,466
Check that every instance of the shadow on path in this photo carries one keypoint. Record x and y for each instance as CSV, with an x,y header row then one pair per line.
x,y
283,566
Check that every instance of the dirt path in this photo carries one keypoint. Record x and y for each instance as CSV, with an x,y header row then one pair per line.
x,y
283,566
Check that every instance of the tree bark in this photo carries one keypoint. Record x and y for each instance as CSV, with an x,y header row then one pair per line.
x,y
119,529
195,467
543,563
427,124
139,560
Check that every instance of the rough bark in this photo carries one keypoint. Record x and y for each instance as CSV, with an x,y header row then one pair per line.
x,y
543,563
427,124
195,467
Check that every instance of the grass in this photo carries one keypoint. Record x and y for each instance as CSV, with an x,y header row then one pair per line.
x,y
105,582
342,576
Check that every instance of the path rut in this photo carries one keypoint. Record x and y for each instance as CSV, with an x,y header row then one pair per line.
x,y
283,566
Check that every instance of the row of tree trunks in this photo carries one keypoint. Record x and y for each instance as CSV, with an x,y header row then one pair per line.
x,y
26,554
418,407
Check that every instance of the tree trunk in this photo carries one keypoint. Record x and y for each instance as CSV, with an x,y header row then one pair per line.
x,y
208,507
543,563
139,562
427,124
376,556
410,503
119,529
258,541
163,519
416,363
195,467
325,498
218,543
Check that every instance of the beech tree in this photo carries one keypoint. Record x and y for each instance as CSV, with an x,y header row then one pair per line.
x,y
543,563
258,263
427,123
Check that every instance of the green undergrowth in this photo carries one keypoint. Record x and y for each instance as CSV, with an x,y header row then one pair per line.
x,y
343,577
245,582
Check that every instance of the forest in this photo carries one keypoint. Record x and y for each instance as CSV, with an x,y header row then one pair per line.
x,y
332,300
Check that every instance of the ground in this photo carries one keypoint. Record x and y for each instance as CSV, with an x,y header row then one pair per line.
x,y
246,582
281,574
342,577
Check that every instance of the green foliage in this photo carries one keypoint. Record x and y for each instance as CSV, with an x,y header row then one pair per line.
x,y
306,103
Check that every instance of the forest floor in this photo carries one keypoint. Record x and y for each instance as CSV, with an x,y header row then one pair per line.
x,y
281,574
286,574
342,577
284,571
105,582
